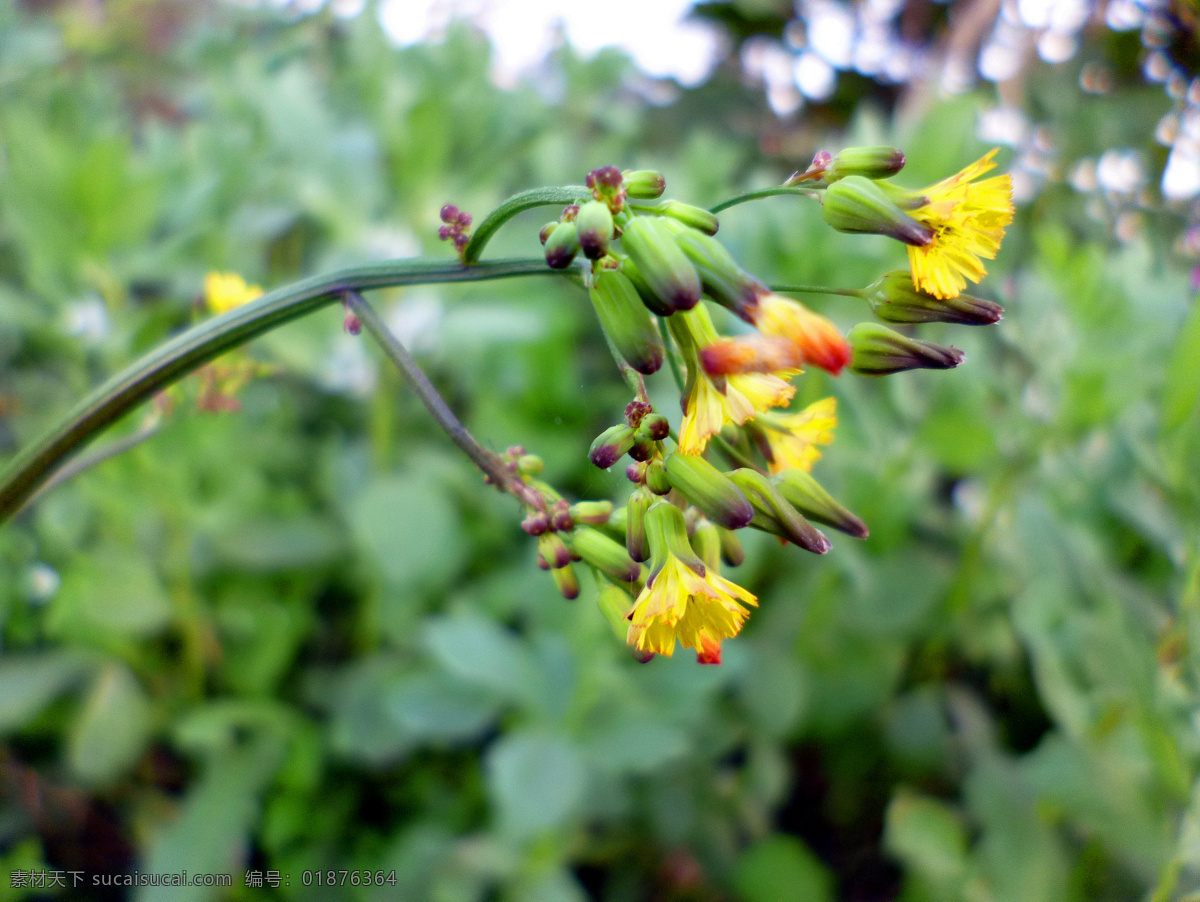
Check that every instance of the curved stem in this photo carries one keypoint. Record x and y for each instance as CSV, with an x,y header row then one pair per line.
x,y
761,193
816,289
176,358
489,461
519,203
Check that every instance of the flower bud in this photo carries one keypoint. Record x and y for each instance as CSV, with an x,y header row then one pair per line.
x,y
706,542
666,533
536,523
808,496
615,603
709,489
594,513
656,478
635,524
566,581
651,300
553,550
857,204
610,445
530,465
560,516
642,450
604,554
644,184
694,217
546,230
731,547
666,269
879,351
594,227
626,322
774,515
869,162
654,427
720,276
561,246
895,299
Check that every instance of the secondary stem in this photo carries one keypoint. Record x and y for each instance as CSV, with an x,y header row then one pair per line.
x,y
816,289
489,461
761,193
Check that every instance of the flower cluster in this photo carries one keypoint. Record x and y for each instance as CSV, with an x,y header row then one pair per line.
x,y
650,266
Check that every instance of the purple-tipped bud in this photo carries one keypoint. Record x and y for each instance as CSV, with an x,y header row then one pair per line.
x,y
594,226
709,489
544,234
895,299
594,513
694,217
656,478
536,523
611,445
869,162
857,204
570,212
660,261
636,472
626,322
636,411
644,184
880,351
654,427
635,524
774,515
560,516
464,220
530,465
723,280
706,542
351,323
554,550
605,177
652,301
807,495
562,246
566,581
642,657
450,214
642,450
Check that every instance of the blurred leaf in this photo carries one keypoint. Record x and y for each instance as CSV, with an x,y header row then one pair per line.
x,y
111,590
267,546
536,781
636,744
28,683
781,868
482,653
431,708
929,838
110,732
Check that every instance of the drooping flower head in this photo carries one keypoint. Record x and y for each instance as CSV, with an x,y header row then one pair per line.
x,y
683,600
713,402
816,338
792,439
968,219
223,291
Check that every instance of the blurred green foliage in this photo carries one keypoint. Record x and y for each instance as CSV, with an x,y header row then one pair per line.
x,y
304,636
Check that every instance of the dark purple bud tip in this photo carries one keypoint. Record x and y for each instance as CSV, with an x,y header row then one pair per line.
x,y
351,323
562,521
657,427
545,232
604,456
541,562
635,411
536,524
560,257
643,657
683,299
445,232
570,212
642,451
449,213
464,220
606,176
515,450
461,241
635,472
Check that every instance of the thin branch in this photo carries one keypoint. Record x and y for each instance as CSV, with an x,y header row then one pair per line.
x,y
761,193
97,456
490,462
526,200
174,359
816,289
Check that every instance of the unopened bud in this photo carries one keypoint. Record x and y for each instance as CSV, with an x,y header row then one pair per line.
x,y
644,184
570,211
651,300
554,550
709,489
666,533
546,230
594,513
869,162
807,495
642,657
536,523
594,226
694,217
656,478
773,514
351,323
731,547
642,450
636,472
626,322
562,246
879,351
857,204
706,542
664,266
635,524
720,276
611,445
895,299
615,603
560,516
604,554
566,581
654,427
530,465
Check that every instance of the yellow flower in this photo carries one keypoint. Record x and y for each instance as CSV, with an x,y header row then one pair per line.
x,y
814,336
697,609
709,409
793,438
968,219
223,291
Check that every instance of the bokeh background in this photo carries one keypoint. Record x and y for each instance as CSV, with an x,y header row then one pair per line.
x,y
304,636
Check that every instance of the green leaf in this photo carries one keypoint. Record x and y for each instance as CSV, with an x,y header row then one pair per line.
x,y
781,868
482,653
110,732
28,683
431,708
110,591
536,781
928,838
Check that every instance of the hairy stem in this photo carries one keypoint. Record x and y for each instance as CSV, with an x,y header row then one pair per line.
x,y
519,203
489,461
171,361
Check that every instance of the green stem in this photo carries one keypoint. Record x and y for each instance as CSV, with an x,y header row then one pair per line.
x,y
519,203
176,358
672,360
489,461
734,454
817,289
761,193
